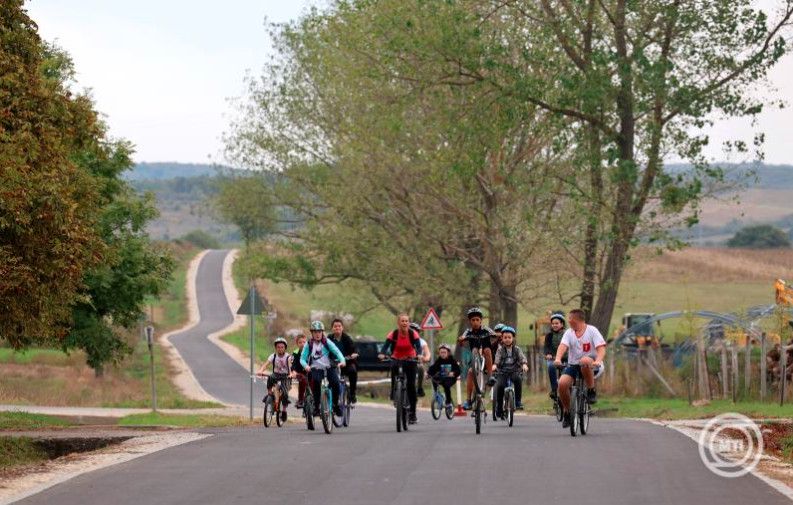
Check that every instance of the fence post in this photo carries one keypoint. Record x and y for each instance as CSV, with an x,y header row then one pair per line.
x,y
735,373
725,377
783,380
763,371
747,377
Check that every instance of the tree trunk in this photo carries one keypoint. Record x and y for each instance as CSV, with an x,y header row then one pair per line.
x,y
509,303
495,309
591,238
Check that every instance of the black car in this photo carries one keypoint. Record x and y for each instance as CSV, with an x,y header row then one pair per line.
x,y
367,356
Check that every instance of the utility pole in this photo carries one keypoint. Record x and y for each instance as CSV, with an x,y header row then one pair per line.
x,y
150,342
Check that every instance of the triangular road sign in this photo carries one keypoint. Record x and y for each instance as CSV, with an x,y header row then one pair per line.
x,y
431,321
258,305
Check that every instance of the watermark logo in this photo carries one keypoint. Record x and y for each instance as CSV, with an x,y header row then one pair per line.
x,y
731,445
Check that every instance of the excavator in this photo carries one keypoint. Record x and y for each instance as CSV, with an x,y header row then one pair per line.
x,y
784,299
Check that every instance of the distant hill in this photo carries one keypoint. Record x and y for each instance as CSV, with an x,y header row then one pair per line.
x,y
768,176
169,170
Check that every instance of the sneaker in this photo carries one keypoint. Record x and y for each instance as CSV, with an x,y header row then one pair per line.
x,y
552,395
299,405
518,406
450,405
420,393
412,418
591,396
467,405
566,420
283,417
337,411
491,381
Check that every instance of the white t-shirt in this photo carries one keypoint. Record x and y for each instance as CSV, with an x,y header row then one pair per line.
x,y
584,346
281,364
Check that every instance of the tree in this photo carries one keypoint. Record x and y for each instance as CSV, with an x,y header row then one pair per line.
x,y
761,236
246,200
48,236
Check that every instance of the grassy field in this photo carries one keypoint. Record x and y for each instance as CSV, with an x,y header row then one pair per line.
x,y
51,377
28,421
186,421
19,451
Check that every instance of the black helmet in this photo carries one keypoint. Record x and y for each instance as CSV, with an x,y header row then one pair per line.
x,y
560,317
415,326
474,312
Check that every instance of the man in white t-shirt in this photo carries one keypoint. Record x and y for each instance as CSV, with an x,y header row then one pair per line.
x,y
585,348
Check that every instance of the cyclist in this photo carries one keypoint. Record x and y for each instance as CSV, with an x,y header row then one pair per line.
x,y
281,363
495,337
315,358
586,349
552,339
444,371
424,357
346,344
509,362
300,372
404,343
478,337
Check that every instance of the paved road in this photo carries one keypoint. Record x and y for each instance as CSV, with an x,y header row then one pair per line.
x,y
216,372
437,462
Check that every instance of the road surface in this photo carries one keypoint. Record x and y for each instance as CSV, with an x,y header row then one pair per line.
x,y
435,463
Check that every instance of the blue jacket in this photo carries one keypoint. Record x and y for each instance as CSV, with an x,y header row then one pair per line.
x,y
329,347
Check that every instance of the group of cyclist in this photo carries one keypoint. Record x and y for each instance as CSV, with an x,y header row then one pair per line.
x,y
570,352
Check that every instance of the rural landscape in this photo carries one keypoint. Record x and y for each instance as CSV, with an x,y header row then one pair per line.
x,y
438,161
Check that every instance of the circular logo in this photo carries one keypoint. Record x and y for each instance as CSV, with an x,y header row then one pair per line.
x,y
731,445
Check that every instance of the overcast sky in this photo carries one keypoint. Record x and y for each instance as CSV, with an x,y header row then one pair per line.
x,y
163,70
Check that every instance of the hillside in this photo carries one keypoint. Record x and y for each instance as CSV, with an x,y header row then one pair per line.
x,y
170,170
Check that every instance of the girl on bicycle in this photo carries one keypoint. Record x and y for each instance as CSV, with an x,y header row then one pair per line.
x,y
444,371
316,360
281,363
297,368
509,363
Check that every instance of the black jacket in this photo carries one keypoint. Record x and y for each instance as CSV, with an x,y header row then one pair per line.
x,y
436,367
296,366
346,345
552,341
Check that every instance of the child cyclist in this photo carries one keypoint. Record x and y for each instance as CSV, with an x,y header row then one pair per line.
x,y
509,362
299,371
478,337
444,371
316,358
281,363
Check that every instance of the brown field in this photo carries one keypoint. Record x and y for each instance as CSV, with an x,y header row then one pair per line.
x,y
754,204
712,265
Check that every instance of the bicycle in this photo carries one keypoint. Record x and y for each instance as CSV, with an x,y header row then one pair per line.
x,y
308,407
325,405
479,411
344,403
275,402
580,408
508,409
439,403
558,411
400,394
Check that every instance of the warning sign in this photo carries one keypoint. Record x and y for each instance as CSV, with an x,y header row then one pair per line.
x,y
431,321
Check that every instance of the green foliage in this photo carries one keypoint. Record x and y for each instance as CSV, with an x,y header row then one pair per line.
x,y
201,239
28,421
18,451
48,220
246,200
762,236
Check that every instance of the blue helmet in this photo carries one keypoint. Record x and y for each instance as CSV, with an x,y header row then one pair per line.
x,y
317,326
499,327
509,329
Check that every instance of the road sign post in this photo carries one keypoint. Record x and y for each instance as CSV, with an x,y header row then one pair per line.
x,y
252,306
431,322
150,343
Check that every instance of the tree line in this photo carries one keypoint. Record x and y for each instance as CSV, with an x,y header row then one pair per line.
x,y
452,152
76,264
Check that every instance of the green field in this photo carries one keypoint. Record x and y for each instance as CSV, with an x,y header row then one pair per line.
x,y
28,421
186,421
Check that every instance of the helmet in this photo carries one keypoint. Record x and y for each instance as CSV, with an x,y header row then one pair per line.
x,y
445,346
560,317
415,326
475,312
317,326
280,340
499,327
508,329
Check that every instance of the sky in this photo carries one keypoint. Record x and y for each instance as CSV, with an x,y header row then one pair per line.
x,y
162,71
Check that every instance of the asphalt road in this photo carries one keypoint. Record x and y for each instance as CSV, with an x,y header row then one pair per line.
x,y
219,375
436,462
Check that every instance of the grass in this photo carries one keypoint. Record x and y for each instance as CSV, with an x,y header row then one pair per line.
x,y
658,408
28,421
187,421
51,377
19,451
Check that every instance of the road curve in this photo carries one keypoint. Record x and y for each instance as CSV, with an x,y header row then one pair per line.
x,y
218,374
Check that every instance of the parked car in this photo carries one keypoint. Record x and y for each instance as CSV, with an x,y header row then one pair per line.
x,y
367,356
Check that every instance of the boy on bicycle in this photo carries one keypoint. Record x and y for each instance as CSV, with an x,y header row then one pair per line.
x,y
444,371
586,349
316,359
299,371
509,362
281,363
478,337
347,346
552,340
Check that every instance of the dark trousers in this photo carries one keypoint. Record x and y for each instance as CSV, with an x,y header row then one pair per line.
x,y
410,381
447,383
333,381
351,372
502,384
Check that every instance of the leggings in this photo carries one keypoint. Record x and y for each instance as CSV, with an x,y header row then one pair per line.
x,y
410,381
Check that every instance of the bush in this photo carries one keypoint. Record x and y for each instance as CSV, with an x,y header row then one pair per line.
x,y
763,236
202,239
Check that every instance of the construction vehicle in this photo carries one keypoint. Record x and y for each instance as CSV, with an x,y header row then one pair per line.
x,y
784,300
641,328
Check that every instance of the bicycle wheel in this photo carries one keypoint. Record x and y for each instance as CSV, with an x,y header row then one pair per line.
x,y
279,411
493,403
347,408
557,410
584,412
449,412
478,414
308,410
574,411
269,411
405,409
509,405
436,406
325,414
400,405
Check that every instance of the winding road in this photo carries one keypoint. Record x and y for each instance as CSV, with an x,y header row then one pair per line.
x,y
436,462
